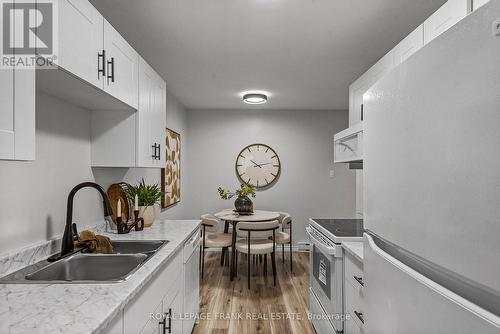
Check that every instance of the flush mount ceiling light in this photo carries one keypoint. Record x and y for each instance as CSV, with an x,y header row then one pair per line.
x,y
255,98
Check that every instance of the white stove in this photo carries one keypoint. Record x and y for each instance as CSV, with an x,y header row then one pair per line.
x,y
327,270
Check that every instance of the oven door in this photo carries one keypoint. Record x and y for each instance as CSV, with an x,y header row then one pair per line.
x,y
326,275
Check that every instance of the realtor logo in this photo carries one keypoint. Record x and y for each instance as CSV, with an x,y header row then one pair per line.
x,y
29,33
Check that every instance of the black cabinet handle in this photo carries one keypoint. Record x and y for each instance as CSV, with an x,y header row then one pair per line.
x,y
101,64
154,151
360,316
112,74
164,322
359,280
362,110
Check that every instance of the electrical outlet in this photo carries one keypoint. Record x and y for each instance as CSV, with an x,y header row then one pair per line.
x,y
332,173
496,28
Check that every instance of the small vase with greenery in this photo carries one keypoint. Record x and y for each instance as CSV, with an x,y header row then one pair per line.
x,y
243,203
148,195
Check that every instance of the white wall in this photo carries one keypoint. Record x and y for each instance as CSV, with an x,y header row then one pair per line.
x,y
33,194
304,143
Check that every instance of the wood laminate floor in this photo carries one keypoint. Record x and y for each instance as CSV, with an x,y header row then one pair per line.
x,y
229,307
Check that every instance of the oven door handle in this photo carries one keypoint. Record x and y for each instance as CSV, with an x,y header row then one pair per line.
x,y
336,251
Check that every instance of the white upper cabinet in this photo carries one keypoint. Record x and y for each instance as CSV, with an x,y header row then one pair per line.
x,y
7,114
478,3
121,67
408,46
361,86
356,91
133,139
444,18
150,117
81,40
17,113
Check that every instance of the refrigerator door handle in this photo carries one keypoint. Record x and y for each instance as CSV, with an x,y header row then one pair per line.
x,y
436,287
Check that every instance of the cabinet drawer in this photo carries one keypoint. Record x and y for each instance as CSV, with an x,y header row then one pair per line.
x,y
353,271
137,313
354,304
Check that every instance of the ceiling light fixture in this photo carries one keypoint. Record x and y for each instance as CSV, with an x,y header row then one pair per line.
x,y
255,98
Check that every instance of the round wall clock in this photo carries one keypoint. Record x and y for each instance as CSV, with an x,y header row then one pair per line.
x,y
258,165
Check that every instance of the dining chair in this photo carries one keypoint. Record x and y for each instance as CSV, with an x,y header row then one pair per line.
x,y
257,238
283,238
211,238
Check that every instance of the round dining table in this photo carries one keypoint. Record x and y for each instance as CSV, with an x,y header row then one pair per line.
x,y
233,218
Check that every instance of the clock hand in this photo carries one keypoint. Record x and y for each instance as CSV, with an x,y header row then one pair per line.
x,y
265,164
256,165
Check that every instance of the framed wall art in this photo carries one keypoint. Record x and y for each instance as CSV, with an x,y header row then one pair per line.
x,y
171,174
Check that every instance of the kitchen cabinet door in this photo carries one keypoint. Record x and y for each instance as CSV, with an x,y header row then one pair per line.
x,y
381,68
478,3
172,304
159,92
121,67
361,86
408,46
17,113
444,18
356,91
150,117
7,114
81,40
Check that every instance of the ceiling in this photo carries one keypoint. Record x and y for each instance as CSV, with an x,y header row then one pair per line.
x,y
305,53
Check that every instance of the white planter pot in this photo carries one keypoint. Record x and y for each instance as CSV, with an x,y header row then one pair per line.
x,y
148,213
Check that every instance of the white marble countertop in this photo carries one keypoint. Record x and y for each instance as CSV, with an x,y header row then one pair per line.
x,y
355,248
86,308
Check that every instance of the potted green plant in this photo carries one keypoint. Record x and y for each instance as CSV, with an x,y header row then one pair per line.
x,y
243,204
148,195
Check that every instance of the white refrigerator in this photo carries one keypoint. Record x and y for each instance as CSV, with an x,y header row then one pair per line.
x,y
432,186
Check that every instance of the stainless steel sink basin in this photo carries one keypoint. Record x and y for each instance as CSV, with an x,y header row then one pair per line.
x,y
90,267
136,246
127,257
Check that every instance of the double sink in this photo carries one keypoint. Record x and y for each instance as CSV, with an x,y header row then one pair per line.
x,y
127,257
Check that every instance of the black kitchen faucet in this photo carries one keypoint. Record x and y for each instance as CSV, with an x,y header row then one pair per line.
x,y
67,245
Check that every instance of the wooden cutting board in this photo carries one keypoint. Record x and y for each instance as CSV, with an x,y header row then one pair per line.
x,y
116,192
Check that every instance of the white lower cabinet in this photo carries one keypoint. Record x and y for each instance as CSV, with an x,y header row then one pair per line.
x,y
172,311
353,294
160,307
141,315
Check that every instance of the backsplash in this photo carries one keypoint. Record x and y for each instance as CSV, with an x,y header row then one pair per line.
x,y
19,258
